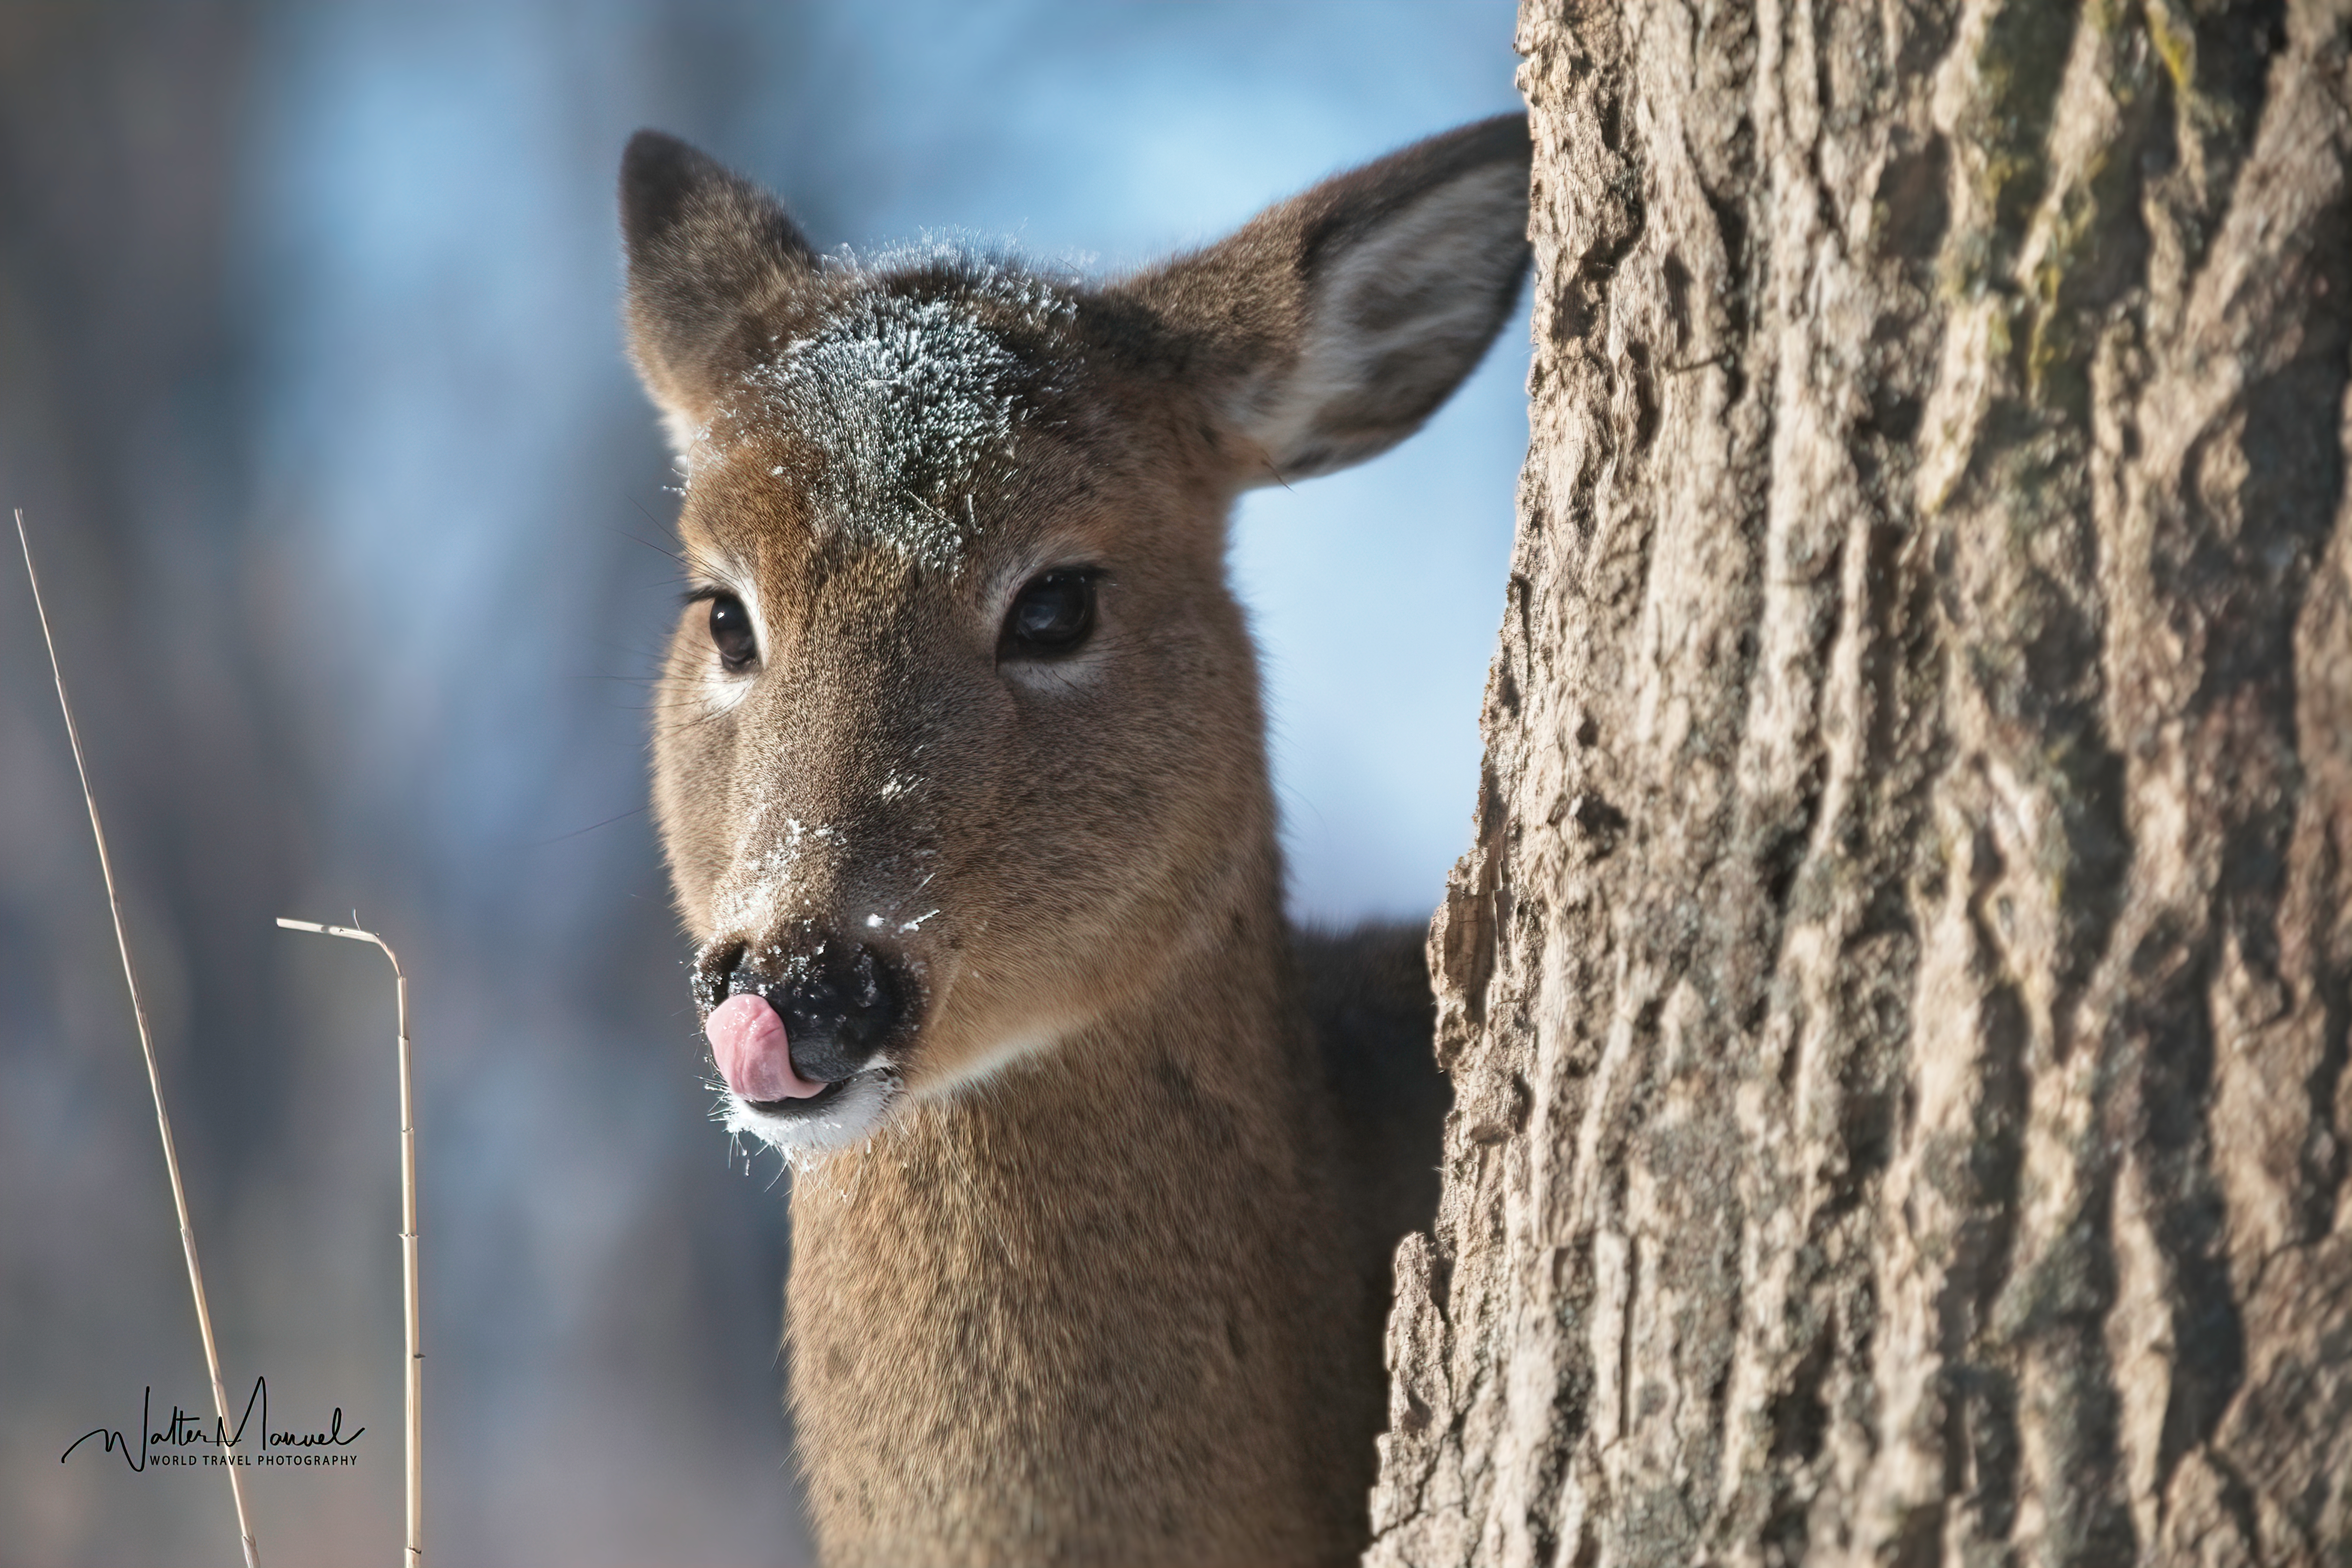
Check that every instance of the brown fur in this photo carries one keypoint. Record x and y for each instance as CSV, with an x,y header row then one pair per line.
x,y
1103,1281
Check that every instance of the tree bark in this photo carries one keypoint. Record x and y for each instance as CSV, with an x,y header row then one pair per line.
x,y
1898,997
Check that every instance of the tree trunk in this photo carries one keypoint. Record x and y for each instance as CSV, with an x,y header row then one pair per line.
x,y
1898,998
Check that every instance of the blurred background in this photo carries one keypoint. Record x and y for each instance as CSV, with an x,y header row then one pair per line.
x,y
349,512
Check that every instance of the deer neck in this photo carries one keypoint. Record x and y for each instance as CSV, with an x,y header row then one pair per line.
x,y
1103,1276
1198,1073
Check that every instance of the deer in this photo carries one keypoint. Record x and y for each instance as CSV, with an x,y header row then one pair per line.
x,y
960,772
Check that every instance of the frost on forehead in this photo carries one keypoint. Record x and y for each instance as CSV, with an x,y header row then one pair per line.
x,y
907,398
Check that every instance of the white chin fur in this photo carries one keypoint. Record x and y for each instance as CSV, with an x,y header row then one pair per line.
x,y
850,1119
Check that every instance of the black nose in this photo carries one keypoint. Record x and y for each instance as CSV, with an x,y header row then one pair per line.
x,y
840,1002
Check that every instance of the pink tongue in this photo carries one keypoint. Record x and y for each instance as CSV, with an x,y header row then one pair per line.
x,y
756,1059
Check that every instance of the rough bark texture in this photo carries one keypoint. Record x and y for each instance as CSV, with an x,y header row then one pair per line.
x,y
1899,996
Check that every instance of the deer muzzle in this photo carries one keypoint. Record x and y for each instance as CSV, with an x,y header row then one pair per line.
x,y
788,1024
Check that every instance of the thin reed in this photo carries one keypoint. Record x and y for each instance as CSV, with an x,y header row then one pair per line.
x,y
147,1048
414,1553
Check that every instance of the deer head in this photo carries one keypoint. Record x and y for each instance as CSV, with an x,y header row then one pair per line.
x,y
960,746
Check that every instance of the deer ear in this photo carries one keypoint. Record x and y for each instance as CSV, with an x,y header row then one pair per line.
x,y
1331,325
706,248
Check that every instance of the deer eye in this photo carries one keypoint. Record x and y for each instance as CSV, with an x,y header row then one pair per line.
x,y
1050,616
730,632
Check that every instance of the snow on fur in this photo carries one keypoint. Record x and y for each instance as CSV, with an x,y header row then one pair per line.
x,y
908,395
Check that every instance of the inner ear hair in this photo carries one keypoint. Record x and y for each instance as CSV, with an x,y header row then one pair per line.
x,y
1335,323
706,247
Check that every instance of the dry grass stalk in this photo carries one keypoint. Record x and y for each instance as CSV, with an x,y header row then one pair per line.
x,y
415,1554
147,1048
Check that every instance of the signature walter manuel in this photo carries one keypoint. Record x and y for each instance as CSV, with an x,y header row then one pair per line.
x,y
164,1445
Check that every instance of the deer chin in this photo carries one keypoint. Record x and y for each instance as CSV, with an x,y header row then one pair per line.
x,y
842,1115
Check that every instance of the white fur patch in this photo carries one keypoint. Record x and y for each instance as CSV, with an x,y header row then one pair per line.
x,y
985,1065
851,1118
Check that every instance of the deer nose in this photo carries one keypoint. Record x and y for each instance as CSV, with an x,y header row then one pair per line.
x,y
840,1004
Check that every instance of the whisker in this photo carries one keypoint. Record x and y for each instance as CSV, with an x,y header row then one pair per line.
x,y
648,544
543,843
